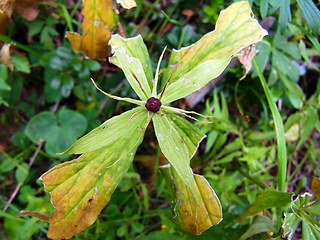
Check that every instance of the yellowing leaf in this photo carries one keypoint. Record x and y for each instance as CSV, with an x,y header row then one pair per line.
x,y
195,210
81,188
194,66
97,24
127,3
5,57
315,187
42,216
115,129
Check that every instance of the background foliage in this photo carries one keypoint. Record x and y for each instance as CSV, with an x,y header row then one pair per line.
x,y
47,102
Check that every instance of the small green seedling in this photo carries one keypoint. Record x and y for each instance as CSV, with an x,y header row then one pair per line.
x,y
81,188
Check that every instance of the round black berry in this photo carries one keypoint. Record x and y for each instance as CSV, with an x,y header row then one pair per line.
x,y
153,104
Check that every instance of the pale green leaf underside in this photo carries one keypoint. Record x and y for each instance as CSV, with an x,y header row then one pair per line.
x,y
128,123
194,79
131,55
81,188
178,140
235,29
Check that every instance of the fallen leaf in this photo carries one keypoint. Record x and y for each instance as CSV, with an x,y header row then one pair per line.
x,y
315,187
246,58
188,12
7,6
5,57
97,26
27,9
3,22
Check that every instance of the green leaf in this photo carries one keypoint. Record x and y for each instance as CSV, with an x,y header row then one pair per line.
x,y
285,14
58,132
312,15
137,227
72,122
194,66
283,64
264,6
22,172
3,78
313,209
41,126
269,198
20,63
178,140
264,49
195,209
309,233
290,224
126,124
260,224
311,228
81,188
309,120
195,79
131,55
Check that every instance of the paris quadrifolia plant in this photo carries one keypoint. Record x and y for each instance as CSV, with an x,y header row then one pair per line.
x,y
81,188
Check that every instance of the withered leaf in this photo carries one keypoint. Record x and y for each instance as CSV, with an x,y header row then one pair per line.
x,y
246,57
5,57
97,26
315,187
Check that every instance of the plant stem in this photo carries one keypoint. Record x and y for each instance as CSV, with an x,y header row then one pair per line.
x,y
281,144
252,179
21,46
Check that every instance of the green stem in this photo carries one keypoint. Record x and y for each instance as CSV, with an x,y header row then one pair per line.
x,y
65,13
252,179
19,45
298,167
281,144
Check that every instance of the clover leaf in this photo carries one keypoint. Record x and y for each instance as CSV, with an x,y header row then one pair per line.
x,y
57,131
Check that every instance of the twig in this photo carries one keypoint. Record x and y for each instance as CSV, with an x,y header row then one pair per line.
x,y
16,190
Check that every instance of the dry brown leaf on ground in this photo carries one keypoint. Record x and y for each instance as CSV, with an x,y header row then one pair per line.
x,y
315,187
5,57
7,6
3,22
27,9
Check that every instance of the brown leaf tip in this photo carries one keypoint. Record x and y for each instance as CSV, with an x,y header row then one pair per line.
x,y
153,104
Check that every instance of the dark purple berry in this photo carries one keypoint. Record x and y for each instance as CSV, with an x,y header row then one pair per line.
x,y
153,104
